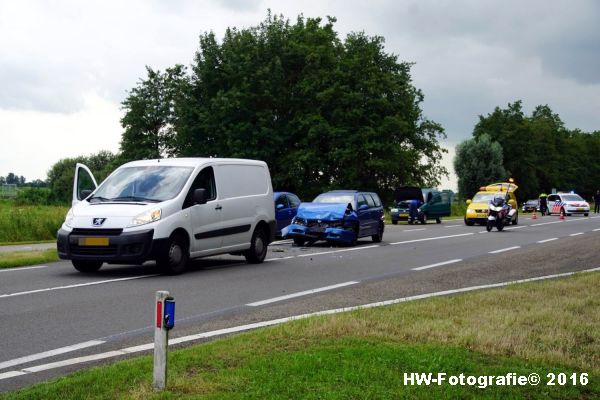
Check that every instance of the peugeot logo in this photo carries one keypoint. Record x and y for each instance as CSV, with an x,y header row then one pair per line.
x,y
98,221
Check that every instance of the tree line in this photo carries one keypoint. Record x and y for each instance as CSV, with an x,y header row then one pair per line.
x,y
537,150
13,179
322,111
326,113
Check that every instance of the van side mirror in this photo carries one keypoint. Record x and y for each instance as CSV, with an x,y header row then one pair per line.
x,y
199,196
469,201
363,207
85,193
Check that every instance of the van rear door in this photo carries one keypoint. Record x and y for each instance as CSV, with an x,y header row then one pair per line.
x,y
84,183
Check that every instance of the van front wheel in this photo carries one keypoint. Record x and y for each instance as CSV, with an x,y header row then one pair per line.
x,y
174,260
258,247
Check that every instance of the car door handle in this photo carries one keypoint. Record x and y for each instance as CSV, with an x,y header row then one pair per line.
x,y
218,207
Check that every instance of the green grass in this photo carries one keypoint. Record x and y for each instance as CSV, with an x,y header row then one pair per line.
x,y
29,223
22,258
543,327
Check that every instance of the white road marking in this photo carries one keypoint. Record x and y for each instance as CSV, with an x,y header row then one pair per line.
x,y
337,251
431,238
241,328
547,223
576,234
279,258
547,240
437,264
11,374
516,227
65,363
452,226
595,230
50,353
368,247
75,286
299,294
22,268
414,230
506,249
323,253
280,242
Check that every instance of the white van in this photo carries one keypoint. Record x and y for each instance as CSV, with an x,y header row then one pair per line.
x,y
169,210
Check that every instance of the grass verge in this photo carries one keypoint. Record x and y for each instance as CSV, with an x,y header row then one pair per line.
x,y
22,258
544,327
29,223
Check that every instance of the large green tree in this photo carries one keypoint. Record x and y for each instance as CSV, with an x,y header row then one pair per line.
x,y
321,111
540,152
149,118
478,162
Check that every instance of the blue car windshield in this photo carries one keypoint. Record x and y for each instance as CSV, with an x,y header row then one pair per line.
x,y
143,184
335,198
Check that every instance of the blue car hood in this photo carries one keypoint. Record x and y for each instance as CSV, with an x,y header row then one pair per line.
x,y
322,211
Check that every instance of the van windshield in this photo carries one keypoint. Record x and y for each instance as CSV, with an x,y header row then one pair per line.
x,y
142,184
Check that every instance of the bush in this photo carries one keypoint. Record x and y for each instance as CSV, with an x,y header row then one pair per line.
x,y
34,196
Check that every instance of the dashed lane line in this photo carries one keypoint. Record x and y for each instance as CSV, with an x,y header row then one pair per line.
x,y
506,249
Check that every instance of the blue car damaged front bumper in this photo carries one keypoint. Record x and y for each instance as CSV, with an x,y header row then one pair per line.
x,y
318,233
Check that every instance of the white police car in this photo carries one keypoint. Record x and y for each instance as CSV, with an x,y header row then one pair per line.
x,y
567,204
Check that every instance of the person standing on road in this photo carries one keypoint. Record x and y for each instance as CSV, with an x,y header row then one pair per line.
x,y
413,211
543,203
597,202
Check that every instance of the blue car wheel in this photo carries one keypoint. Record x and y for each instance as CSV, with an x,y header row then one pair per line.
x,y
299,241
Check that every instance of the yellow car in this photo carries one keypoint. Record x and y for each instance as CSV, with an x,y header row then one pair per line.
x,y
477,209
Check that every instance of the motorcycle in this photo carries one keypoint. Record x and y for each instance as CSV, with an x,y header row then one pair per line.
x,y
500,213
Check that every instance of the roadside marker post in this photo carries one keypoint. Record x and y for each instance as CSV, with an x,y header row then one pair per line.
x,y
165,321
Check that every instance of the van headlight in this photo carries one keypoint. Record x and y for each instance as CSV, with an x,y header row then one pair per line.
x,y
69,218
394,210
146,218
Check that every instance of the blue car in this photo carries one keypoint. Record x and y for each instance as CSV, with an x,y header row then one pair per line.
x,y
340,216
286,207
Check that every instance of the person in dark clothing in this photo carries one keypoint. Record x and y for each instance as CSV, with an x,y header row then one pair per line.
x,y
413,210
597,202
543,203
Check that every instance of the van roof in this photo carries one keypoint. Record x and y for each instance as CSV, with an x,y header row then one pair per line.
x,y
191,162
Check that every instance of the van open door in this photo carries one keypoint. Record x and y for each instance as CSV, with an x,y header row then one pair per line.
x,y
83,184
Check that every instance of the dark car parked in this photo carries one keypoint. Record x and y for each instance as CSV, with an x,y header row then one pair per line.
x,y
286,207
531,205
340,216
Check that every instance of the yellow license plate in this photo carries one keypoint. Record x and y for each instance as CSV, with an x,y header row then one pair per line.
x,y
481,215
581,209
94,241
404,215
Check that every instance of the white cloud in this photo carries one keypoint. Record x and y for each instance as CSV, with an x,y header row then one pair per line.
x,y
32,140
67,64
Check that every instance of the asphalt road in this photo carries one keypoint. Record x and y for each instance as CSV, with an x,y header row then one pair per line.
x,y
52,313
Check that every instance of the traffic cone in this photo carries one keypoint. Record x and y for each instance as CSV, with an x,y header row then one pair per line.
x,y
562,214
534,215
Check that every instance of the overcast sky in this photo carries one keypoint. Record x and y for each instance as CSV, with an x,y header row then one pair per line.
x,y
65,66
